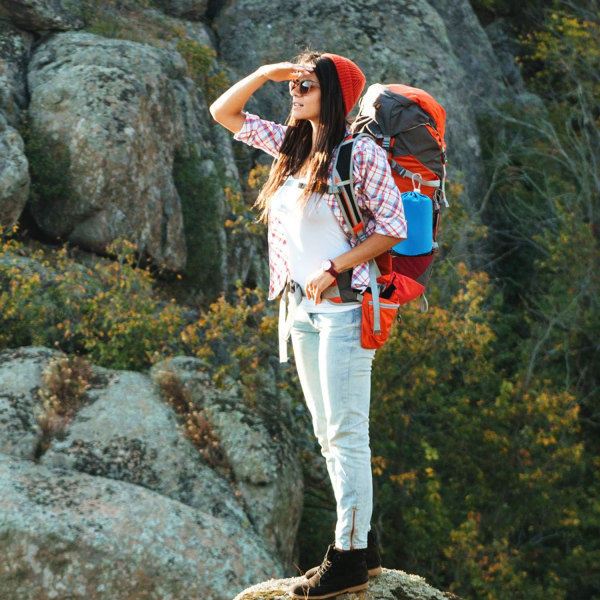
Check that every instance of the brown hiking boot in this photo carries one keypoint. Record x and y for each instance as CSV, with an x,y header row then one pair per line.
x,y
372,556
340,572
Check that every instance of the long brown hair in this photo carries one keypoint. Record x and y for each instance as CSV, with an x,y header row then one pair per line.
x,y
297,147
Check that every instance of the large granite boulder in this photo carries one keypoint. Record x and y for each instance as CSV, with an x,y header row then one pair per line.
x,y
120,457
438,46
390,585
15,47
127,432
15,50
45,15
14,175
258,446
186,9
67,534
483,81
112,113
20,381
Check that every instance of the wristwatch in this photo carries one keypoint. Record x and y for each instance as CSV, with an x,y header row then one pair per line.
x,y
328,267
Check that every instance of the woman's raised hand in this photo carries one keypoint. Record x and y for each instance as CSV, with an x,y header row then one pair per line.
x,y
284,71
227,109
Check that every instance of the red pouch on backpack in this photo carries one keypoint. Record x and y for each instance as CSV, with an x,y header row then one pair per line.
x,y
387,312
399,290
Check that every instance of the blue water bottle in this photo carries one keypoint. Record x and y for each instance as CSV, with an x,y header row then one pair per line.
x,y
419,223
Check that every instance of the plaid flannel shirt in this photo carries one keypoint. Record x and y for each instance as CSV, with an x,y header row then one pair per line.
x,y
378,199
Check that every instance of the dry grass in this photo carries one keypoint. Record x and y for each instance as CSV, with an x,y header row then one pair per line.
x,y
196,425
66,381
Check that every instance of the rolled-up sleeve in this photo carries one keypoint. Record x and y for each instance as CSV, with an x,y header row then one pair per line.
x,y
261,134
375,190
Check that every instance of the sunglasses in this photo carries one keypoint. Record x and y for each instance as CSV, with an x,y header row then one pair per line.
x,y
302,87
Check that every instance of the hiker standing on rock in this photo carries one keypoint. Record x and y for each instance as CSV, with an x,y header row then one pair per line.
x,y
311,252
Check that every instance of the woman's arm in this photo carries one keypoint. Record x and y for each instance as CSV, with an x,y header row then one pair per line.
x,y
373,246
378,193
227,108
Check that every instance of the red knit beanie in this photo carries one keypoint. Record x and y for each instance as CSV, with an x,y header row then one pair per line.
x,y
352,80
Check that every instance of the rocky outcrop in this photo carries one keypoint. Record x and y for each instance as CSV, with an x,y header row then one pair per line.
x,y
133,152
111,110
390,585
14,175
131,148
15,47
482,79
20,381
125,446
69,534
45,15
259,448
127,432
15,50
186,9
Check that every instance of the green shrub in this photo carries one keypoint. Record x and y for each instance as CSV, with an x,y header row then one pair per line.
x,y
472,469
49,165
200,188
241,343
202,68
112,314
127,20
107,311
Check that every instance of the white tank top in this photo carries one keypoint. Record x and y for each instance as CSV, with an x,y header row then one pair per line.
x,y
313,235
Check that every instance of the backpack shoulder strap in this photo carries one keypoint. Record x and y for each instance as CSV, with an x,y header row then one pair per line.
x,y
343,187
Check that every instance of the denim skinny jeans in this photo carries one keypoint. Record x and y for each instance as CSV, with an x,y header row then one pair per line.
x,y
335,374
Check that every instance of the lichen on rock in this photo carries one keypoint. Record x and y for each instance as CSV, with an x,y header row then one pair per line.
x,y
94,538
390,585
113,106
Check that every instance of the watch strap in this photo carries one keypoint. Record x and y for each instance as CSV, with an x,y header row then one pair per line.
x,y
332,270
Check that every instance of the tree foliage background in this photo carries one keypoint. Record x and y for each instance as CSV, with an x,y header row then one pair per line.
x,y
485,411
485,427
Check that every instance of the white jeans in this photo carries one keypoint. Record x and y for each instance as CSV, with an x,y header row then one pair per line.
x,y
335,373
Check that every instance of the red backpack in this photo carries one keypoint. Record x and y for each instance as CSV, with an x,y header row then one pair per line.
x,y
410,125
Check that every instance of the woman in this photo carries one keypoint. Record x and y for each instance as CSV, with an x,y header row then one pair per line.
x,y
311,246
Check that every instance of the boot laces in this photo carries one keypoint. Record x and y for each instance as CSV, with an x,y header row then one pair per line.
x,y
323,568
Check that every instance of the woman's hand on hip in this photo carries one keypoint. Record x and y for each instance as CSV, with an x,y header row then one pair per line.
x,y
284,71
317,283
